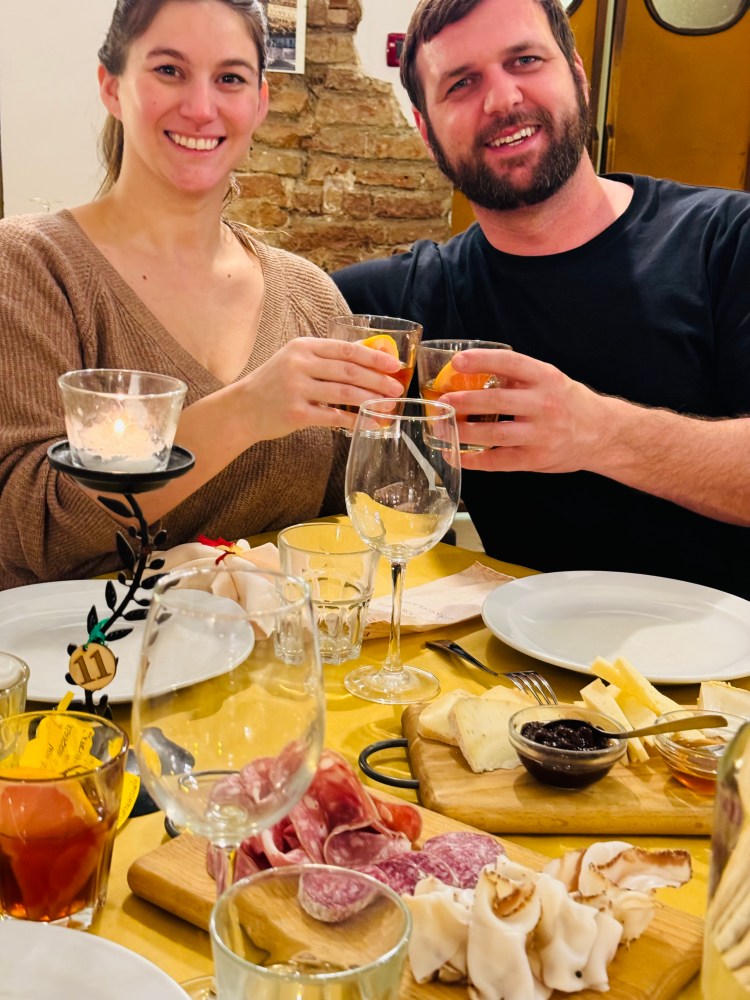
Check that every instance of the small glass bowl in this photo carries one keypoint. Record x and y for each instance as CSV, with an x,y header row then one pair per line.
x,y
565,768
693,756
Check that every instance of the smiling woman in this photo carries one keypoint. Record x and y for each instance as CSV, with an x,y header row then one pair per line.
x,y
151,276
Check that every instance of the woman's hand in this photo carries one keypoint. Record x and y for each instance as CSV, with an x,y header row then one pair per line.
x,y
304,382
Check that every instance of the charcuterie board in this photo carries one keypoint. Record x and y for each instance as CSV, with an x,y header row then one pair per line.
x,y
640,799
655,967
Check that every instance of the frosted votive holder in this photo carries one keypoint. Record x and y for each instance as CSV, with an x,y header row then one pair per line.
x,y
119,420
14,678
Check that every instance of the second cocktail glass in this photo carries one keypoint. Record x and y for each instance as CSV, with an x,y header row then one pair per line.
x,y
403,482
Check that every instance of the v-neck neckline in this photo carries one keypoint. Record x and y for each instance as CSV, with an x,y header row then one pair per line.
x,y
271,306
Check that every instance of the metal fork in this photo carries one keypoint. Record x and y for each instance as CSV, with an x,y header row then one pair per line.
x,y
530,682
527,681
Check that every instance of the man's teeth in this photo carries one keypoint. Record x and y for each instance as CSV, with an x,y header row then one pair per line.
x,y
507,140
190,142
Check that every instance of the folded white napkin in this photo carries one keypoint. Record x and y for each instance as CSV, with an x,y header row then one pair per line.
x,y
242,587
432,605
443,602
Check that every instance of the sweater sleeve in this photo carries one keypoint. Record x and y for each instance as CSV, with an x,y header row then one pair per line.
x,y
49,528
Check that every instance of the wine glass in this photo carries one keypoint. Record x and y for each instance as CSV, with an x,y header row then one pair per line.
x,y
403,482
229,706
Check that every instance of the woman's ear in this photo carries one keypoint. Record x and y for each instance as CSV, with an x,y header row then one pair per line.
x,y
262,103
109,90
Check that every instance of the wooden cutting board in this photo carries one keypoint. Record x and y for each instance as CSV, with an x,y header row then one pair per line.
x,y
655,967
642,799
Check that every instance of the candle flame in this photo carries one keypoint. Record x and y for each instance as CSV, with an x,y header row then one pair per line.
x,y
119,426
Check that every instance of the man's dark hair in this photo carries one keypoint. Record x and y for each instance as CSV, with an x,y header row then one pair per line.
x,y
431,16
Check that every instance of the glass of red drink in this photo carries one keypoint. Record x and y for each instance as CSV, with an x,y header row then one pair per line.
x,y
61,779
397,337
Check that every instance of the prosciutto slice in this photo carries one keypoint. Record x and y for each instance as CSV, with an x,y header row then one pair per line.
x,y
337,821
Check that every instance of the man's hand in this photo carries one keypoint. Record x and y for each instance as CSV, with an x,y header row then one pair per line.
x,y
557,424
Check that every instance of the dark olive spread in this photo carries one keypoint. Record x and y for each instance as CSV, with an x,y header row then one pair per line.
x,y
566,734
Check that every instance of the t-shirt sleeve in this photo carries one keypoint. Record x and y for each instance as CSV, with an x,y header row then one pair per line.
x,y
408,285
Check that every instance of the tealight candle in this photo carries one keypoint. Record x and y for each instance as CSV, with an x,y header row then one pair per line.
x,y
121,421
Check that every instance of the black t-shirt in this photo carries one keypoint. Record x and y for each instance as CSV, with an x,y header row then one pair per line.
x,y
655,309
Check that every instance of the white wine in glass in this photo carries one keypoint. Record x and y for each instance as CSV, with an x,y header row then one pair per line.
x,y
403,483
229,706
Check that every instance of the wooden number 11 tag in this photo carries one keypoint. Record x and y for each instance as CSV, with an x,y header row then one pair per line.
x,y
93,666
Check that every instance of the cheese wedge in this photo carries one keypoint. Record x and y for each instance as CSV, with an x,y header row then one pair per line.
x,y
434,722
637,714
718,696
632,682
598,696
481,727
510,694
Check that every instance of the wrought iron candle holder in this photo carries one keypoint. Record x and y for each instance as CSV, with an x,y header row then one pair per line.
x,y
92,664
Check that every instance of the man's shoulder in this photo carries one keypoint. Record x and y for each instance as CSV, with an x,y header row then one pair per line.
x,y
680,197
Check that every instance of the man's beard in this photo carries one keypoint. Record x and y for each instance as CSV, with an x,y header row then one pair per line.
x,y
482,186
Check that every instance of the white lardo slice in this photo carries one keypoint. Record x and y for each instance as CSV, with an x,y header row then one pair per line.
x,y
718,696
597,697
434,722
481,727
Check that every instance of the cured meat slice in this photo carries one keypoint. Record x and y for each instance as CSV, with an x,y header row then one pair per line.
x,y
334,895
336,822
355,848
466,853
404,872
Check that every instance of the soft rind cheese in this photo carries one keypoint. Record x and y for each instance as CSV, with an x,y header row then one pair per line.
x,y
481,727
434,722
718,696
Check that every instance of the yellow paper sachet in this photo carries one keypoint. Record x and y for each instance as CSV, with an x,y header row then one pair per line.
x,y
131,785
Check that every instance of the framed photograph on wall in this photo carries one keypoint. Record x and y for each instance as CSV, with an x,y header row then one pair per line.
x,y
287,20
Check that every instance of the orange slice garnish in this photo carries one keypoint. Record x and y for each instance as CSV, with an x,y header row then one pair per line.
x,y
381,342
449,380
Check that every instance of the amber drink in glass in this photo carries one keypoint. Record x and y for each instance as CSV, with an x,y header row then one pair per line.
x,y
437,375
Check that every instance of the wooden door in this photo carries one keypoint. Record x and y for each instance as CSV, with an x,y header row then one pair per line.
x,y
682,101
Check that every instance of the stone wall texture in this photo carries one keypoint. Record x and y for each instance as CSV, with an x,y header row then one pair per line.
x,y
336,173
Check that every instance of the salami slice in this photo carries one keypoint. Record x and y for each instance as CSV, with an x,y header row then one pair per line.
x,y
466,853
404,872
333,896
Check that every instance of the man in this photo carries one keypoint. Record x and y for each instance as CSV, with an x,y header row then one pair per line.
x,y
627,301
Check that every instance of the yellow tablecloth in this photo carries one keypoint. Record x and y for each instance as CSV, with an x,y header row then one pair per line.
x,y
183,951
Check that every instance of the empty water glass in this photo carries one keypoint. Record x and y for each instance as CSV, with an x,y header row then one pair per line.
x,y
340,569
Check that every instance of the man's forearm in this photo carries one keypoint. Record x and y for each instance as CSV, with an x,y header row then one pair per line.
x,y
701,464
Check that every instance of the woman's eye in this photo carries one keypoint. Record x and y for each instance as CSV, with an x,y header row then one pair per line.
x,y
232,78
166,70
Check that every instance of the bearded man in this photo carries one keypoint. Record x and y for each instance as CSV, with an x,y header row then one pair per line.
x,y
626,300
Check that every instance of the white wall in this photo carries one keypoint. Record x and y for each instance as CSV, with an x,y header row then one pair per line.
x,y
379,18
50,112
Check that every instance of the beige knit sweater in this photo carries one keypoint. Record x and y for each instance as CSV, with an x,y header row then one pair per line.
x,y
63,307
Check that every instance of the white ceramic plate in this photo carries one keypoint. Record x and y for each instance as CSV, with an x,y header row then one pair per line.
x,y
39,962
39,621
672,632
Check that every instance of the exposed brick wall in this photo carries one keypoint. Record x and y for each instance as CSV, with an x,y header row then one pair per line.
x,y
336,173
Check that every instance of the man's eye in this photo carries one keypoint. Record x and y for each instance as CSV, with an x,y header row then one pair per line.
x,y
460,84
528,60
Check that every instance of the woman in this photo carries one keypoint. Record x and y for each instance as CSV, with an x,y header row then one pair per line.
x,y
149,276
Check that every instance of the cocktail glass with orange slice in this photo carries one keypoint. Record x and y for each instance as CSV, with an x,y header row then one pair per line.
x,y
61,776
398,337
438,376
